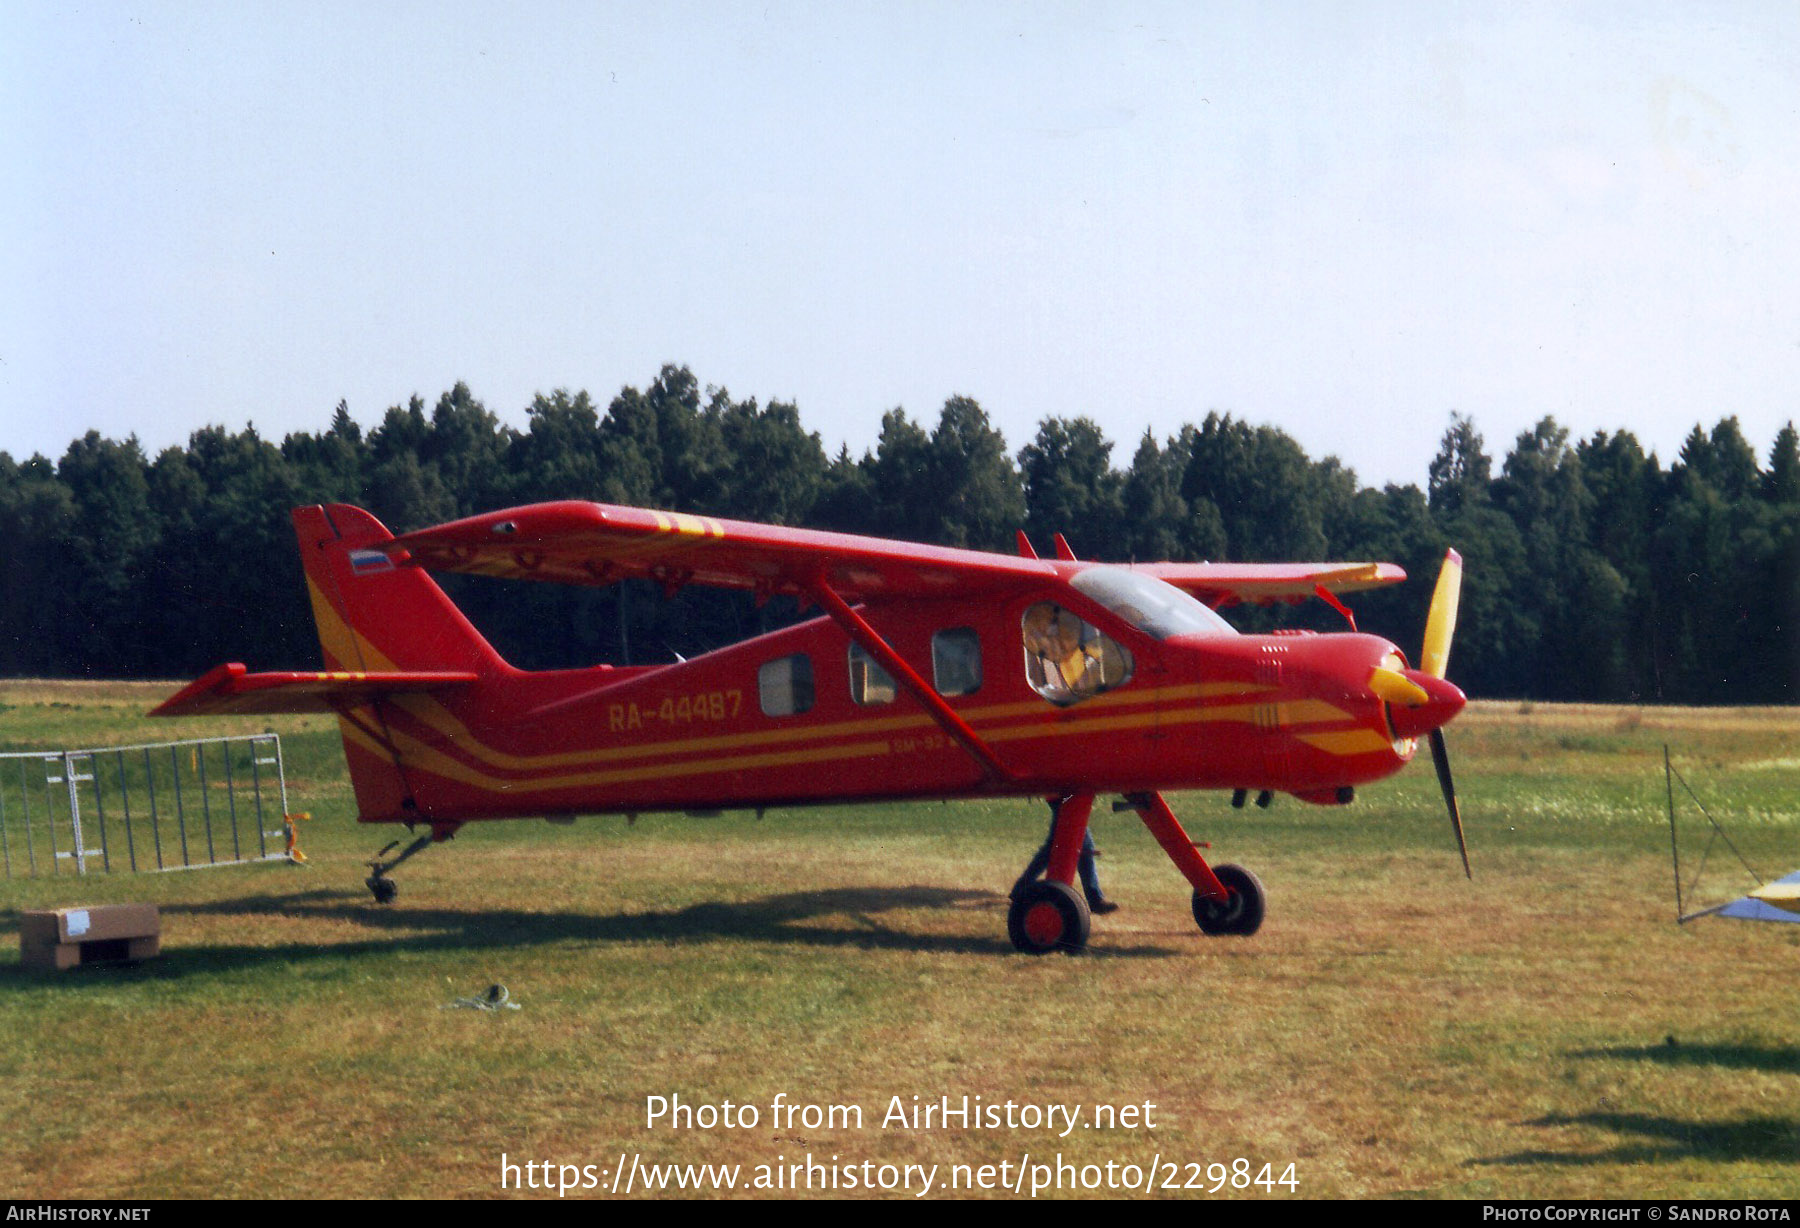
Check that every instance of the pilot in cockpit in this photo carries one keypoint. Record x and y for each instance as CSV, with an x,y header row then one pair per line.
x,y
1064,667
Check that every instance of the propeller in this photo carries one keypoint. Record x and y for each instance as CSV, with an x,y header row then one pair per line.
x,y
1434,659
1420,702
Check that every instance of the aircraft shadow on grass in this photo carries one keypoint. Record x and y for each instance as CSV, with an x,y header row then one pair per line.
x,y
847,917
1653,1139
1773,1058
1667,1138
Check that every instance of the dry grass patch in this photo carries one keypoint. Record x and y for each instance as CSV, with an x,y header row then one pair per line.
x,y
1393,1030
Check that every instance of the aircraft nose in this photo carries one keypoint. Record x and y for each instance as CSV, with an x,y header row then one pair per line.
x,y
1435,706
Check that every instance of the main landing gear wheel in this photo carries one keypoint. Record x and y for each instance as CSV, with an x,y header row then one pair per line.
x,y
1242,913
1048,916
385,889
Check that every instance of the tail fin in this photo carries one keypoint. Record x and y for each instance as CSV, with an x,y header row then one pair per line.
x,y
396,649
379,617
375,616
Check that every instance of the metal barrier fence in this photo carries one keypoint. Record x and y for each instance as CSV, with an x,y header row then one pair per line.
x,y
159,806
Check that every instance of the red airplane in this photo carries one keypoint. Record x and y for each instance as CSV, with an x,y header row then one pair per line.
x,y
930,673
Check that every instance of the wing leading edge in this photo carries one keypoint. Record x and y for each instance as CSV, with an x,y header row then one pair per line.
x,y
1263,583
576,542
594,543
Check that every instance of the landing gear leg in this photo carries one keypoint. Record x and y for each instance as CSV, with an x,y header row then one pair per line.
x,y
1230,901
1049,914
385,888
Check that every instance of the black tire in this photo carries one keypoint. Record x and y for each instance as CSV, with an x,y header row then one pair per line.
x,y
1048,916
1242,914
385,889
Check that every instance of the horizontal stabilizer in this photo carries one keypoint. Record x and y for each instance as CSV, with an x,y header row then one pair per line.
x,y
233,689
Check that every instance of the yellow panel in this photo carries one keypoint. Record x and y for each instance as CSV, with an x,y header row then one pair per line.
x,y
1349,742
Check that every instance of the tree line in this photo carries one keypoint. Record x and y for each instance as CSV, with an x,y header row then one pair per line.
x,y
1593,572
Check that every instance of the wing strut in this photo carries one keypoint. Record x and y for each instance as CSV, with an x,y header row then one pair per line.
x,y
1330,598
870,641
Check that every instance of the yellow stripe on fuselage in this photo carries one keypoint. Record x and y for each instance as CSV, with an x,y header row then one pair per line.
x,y
739,753
417,755
431,713
1347,742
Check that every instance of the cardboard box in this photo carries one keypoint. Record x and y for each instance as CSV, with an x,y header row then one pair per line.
x,y
65,938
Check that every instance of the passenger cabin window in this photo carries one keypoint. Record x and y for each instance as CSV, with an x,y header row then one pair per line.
x,y
1068,659
785,685
956,661
869,683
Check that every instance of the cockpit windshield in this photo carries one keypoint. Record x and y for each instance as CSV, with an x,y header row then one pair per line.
x,y
1155,607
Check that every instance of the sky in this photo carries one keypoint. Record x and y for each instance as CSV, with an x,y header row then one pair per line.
x,y
1346,221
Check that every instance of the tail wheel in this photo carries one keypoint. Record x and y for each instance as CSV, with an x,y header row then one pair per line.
x,y
1048,916
1241,913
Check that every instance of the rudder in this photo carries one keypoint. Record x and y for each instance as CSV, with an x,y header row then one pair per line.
x,y
375,615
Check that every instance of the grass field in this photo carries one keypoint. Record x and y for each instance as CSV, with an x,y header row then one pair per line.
x,y
1546,1030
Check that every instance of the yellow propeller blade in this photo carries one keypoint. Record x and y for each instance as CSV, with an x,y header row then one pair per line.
x,y
1440,623
1393,687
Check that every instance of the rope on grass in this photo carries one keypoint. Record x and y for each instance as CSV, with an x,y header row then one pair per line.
x,y
497,998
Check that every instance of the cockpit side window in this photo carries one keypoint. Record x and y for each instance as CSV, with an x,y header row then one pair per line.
x,y
1067,658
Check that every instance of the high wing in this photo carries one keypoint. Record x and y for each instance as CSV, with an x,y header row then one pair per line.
x,y
233,689
574,542
594,543
1262,583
